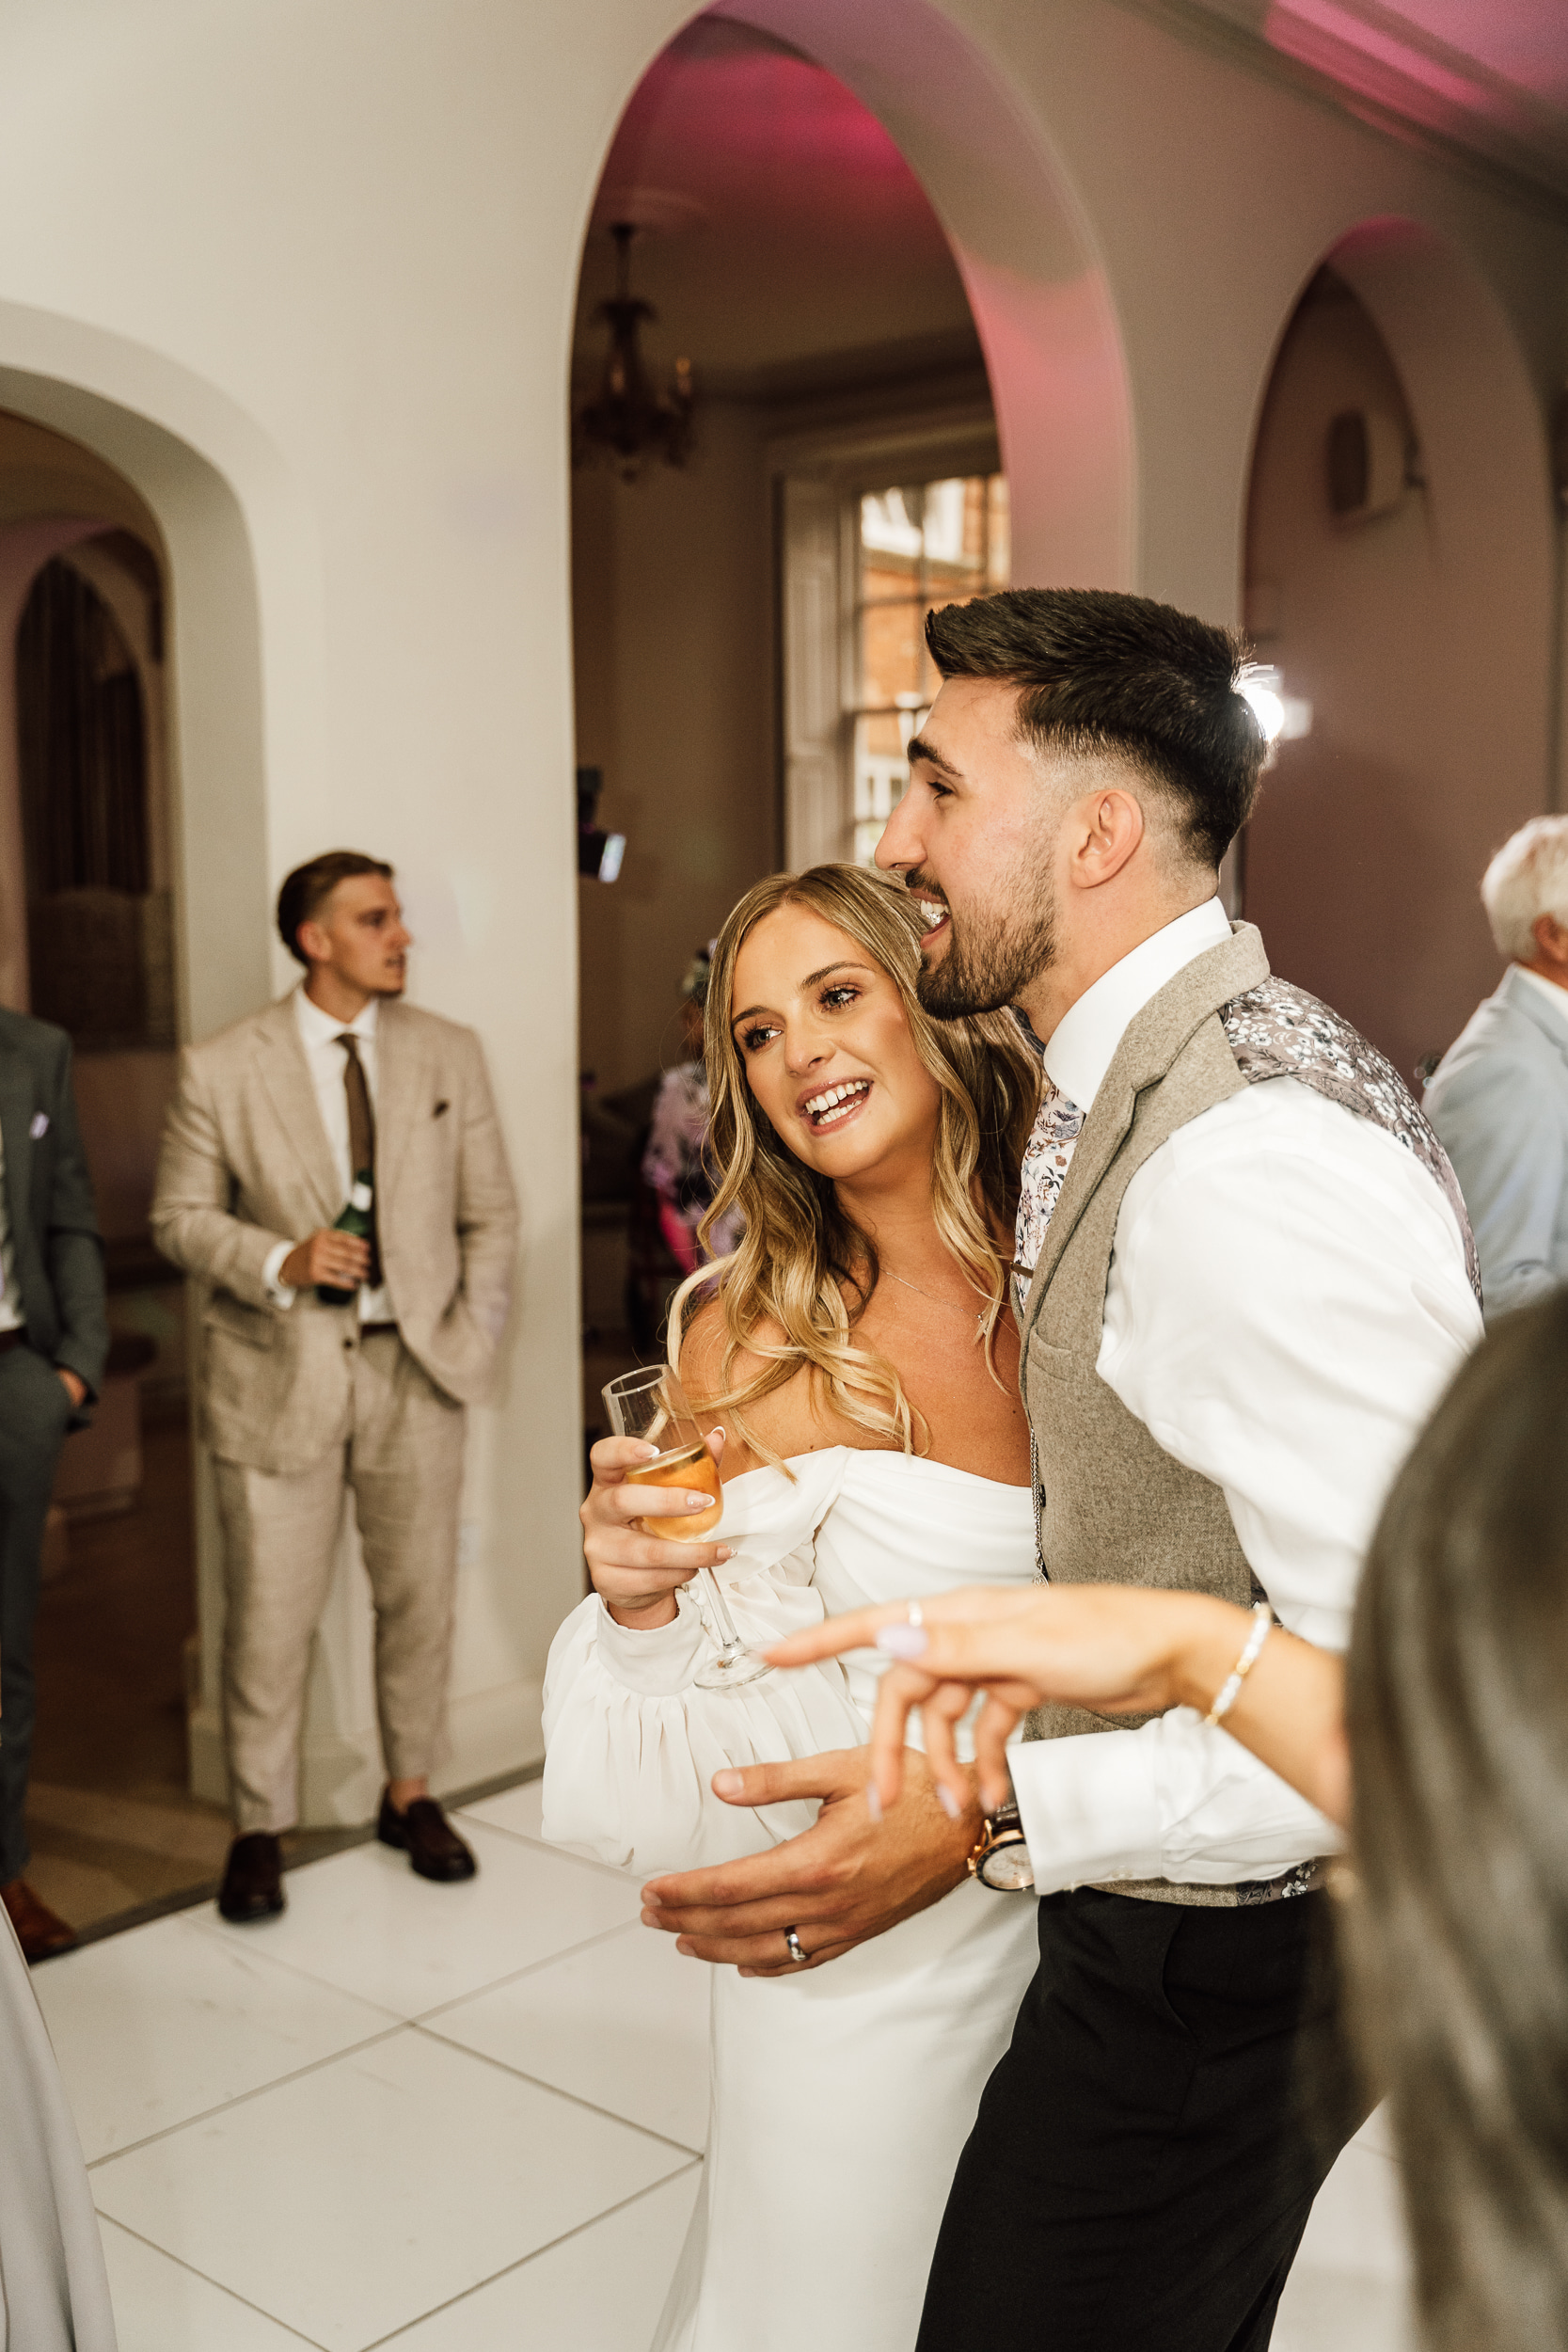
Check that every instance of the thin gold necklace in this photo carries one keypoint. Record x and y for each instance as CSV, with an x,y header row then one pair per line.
x,y
957,1305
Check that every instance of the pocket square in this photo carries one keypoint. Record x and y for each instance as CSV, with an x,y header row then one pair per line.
x,y
442,1105
40,1126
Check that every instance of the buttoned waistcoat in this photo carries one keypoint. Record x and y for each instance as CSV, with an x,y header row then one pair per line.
x,y
245,1163
1114,1506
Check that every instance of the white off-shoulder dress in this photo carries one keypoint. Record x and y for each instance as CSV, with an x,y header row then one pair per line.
x,y
841,2096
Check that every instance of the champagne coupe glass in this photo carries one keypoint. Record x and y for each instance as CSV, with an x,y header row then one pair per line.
x,y
652,1405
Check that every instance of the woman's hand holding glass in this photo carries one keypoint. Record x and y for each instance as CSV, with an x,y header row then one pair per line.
x,y
636,1574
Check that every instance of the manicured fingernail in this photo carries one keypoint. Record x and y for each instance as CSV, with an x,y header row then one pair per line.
x,y
715,1433
904,1640
949,1802
721,1553
649,1453
682,1946
698,1502
728,1784
873,1800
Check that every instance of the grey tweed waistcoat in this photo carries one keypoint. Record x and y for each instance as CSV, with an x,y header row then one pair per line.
x,y
1114,1507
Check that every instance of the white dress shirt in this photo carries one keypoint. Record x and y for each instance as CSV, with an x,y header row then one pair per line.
x,y
1546,992
327,1060
1287,1300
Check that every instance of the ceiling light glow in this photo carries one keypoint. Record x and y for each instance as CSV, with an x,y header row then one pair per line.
x,y
1261,690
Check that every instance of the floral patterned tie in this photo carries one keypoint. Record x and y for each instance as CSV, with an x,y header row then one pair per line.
x,y
1047,1157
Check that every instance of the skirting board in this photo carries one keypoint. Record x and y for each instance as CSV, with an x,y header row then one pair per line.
x,y
492,1733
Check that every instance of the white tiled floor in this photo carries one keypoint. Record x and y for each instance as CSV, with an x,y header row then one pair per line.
x,y
456,2118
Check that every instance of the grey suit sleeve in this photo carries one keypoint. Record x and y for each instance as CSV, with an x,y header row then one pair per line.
x,y
487,1220
1506,1136
192,1219
73,1248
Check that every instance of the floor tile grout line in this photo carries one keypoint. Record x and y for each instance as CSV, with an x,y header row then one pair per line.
x,y
561,1853
413,2017
323,1985
259,2090
576,2097
508,2268
222,1938
370,2041
217,2284
530,1968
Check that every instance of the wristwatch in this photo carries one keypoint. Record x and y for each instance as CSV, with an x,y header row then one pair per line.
x,y
1001,1857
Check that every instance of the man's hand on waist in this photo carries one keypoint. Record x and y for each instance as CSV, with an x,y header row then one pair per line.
x,y
844,1879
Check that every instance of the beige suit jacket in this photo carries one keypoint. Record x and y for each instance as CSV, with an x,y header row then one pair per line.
x,y
246,1164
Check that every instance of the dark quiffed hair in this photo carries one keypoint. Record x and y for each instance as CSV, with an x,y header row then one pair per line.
x,y
1458,1930
1108,672
309,885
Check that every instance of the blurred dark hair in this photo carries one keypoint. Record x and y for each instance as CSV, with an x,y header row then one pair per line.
x,y
1457,1932
1108,672
309,886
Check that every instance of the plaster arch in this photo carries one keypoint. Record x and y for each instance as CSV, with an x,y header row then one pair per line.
x,y
1481,429
1486,461
1425,640
1021,238
244,625
242,571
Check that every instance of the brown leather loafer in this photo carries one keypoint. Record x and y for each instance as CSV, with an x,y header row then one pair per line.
x,y
38,1931
252,1877
427,1837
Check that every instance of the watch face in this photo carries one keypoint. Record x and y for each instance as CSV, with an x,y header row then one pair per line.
x,y
1007,1867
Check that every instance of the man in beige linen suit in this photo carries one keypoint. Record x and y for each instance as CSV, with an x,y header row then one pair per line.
x,y
303,1401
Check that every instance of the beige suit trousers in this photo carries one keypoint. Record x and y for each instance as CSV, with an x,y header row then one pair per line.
x,y
403,1462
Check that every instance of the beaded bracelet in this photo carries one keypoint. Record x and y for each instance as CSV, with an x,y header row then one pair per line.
x,y
1262,1625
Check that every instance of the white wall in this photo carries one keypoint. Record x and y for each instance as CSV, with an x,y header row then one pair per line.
x,y
306,275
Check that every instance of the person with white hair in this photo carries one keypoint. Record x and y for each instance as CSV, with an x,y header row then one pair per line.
x,y
1498,1098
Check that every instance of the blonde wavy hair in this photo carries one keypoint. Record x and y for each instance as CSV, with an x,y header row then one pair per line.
x,y
802,1267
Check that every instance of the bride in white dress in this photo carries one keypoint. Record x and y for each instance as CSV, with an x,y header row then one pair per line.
x,y
858,1366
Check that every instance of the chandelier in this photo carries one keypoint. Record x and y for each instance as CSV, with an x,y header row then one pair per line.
x,y
630,421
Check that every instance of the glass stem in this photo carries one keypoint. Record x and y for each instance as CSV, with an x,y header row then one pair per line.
x,y
721,1617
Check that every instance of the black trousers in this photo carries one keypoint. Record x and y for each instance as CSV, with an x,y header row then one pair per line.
x,y
1146,2155
33,1409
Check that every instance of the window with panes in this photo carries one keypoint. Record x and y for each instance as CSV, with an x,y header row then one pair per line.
x,y
923,545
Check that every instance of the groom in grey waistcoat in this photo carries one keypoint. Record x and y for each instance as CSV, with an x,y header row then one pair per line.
x,y
1243,1274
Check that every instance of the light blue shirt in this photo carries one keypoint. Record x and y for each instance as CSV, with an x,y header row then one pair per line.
x,y
1499,1099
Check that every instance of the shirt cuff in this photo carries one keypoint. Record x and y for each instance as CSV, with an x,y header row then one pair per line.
x,y
281,1294
654,1661
1089,1808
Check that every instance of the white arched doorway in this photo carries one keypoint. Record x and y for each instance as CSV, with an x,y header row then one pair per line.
x,y
884,290
231,534
1418,627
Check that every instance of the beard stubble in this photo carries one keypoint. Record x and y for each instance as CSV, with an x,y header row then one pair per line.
x,y
997,956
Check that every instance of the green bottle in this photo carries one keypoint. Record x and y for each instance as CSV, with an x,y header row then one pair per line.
x,y
355,1217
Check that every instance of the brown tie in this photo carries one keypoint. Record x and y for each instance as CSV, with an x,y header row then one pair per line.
x,y
361,1137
